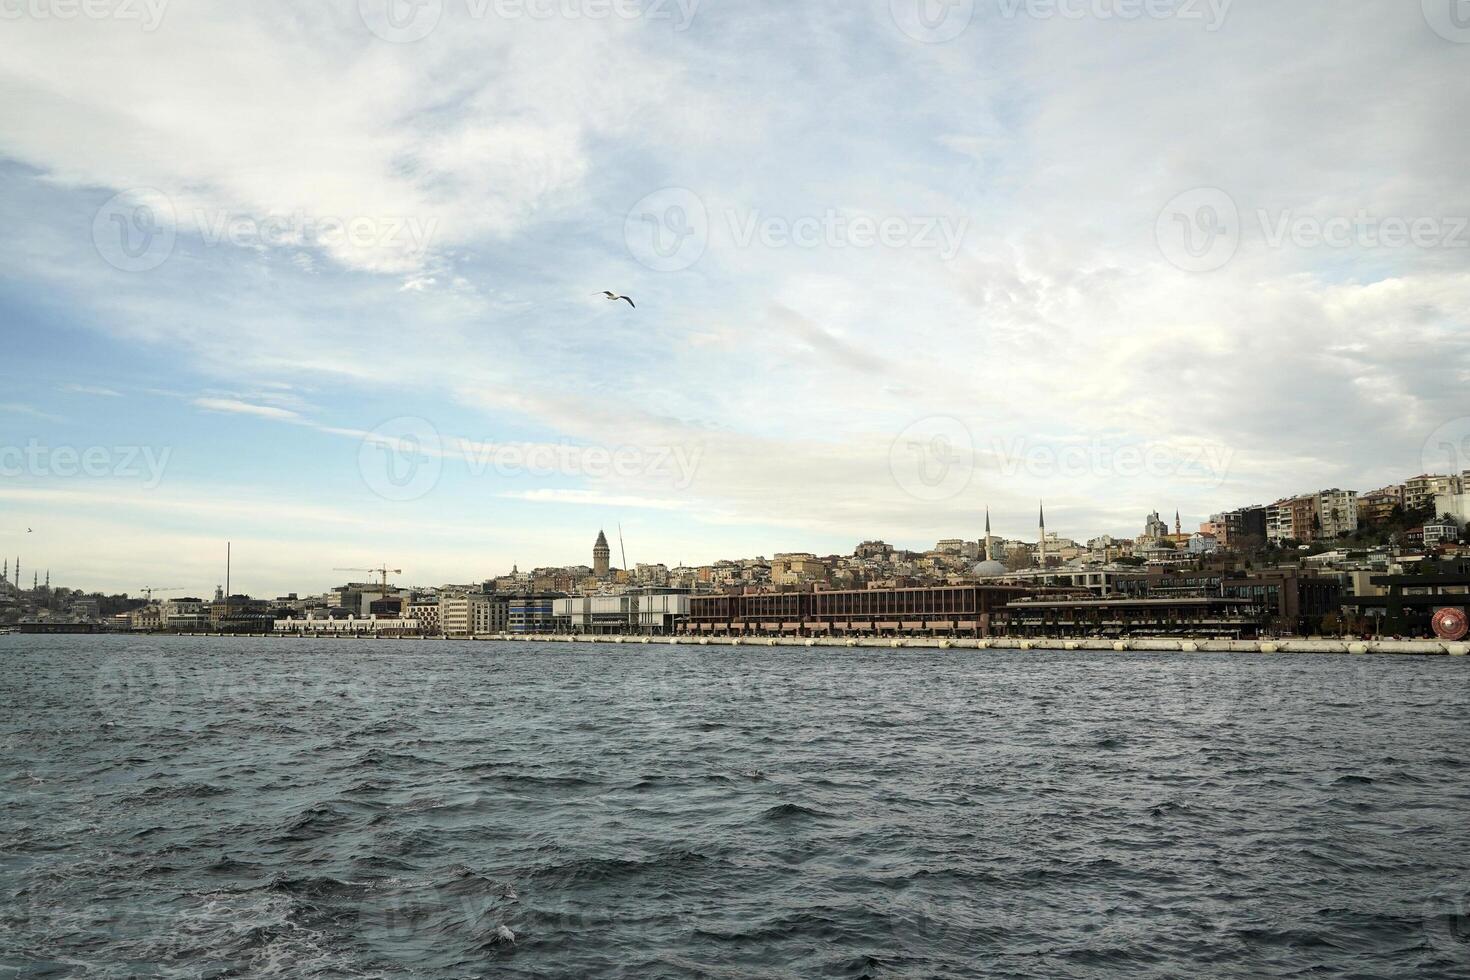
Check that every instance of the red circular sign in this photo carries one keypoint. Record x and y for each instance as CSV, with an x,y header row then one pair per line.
x,y
1451,624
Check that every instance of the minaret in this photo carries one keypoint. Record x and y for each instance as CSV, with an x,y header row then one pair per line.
x,y
601,556
1041,547
1178,524
988,551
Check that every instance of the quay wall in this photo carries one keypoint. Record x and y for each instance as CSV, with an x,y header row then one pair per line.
x,y
1415,648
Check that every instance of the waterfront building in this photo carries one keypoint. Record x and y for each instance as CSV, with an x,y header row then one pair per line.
x,y
939,610
650,612
1098,580
349,626
1405,604
425,612
532,614
241,614
185,615
1294,603
1206,617
473,614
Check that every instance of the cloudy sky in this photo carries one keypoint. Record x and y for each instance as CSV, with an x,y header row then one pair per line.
x,y
322,278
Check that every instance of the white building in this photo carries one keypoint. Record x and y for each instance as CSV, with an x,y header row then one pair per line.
x,y
1202,543
473,614
1441,530
1338,512
1455,506
631,612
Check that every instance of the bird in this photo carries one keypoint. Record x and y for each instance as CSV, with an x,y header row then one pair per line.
x,y
615,297
29,531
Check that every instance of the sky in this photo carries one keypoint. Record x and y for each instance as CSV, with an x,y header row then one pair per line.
x,y
324,280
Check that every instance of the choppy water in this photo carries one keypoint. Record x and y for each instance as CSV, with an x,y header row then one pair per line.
x,y
216,807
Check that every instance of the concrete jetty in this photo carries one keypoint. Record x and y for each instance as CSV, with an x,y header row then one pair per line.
x,y
1316,645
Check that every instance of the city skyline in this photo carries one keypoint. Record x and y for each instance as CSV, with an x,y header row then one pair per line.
x,y
868,333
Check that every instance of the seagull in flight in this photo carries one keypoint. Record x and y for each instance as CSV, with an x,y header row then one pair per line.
x,y
615,297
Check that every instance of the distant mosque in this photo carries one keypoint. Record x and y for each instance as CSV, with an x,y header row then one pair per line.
x,y
990,567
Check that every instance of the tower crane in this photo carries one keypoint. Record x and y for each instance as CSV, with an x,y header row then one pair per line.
x,y
148,590
384,571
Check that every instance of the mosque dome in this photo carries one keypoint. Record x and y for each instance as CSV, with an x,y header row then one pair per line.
x,y
988,569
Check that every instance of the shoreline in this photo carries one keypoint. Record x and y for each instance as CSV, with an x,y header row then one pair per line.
x,y
1412,648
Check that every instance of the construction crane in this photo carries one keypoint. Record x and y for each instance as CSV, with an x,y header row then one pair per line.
x,y
148,590
384,571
